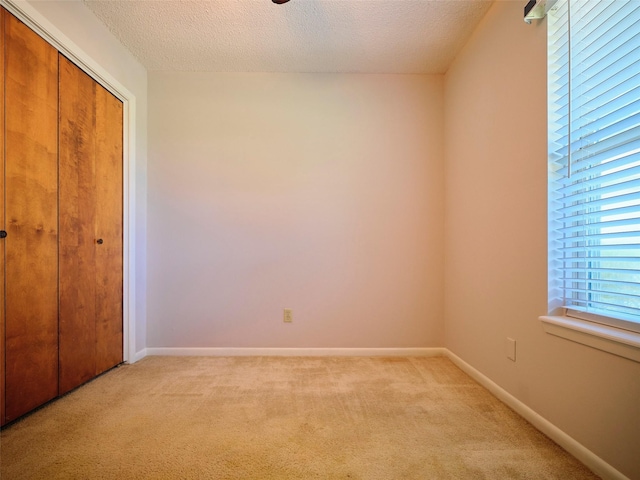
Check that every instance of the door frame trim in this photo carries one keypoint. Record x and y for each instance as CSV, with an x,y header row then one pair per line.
x,y
51,34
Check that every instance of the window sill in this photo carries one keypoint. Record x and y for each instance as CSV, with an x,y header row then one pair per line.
x,y
617,341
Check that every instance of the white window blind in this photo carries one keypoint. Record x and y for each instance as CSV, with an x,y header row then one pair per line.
x,y
594,158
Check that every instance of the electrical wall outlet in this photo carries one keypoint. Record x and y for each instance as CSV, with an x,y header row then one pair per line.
x,y
511,349
288,315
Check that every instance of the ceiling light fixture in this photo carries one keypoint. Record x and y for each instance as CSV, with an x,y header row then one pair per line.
x,y
279,2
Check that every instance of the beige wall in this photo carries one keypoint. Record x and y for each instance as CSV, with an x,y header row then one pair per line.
x,y
75,21
496,244
320,193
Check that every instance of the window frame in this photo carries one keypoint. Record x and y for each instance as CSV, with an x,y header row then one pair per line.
x,y
613,332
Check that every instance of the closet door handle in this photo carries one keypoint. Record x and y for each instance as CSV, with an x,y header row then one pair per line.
x,y
3,234
99,241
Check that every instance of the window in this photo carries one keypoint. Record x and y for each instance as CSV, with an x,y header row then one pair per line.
x,y
594,160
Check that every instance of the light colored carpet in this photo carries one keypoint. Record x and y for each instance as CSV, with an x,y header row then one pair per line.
x,y
282,418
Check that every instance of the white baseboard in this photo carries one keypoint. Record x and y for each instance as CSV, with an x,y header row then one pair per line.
x,y
586,456
298,352
139,355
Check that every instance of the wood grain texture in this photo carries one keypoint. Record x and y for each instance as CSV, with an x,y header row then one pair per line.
x,y
31,199
90,210
109,128
2,225
77,226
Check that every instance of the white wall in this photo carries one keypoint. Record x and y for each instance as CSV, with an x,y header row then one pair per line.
x,y
320,193
496,244
73,19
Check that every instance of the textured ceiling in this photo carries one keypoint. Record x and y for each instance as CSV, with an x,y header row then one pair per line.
x,y
364,36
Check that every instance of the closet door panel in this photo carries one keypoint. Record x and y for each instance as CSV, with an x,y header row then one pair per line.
x,y
31,218
108,228
2,225
77,226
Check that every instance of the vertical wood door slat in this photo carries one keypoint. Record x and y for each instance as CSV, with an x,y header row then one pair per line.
x,y
109,128
31,200
77,226
2,225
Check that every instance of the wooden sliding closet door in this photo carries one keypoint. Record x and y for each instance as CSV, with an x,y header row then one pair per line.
x,y
109,215
77,227
2,225
31,218
90,228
